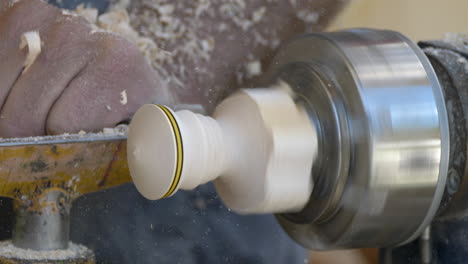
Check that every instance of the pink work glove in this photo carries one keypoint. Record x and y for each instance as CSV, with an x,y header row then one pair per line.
x,y
77,81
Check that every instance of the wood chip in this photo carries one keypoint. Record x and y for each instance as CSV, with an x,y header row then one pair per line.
x,y
123,97
33,41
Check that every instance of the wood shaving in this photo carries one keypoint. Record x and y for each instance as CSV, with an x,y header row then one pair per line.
x,y
123,97
69,13
32,40
90,14
118,22
308,17
253,68
120,130
258,14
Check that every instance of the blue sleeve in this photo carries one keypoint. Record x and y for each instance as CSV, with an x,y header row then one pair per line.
x,y
190,227
101,5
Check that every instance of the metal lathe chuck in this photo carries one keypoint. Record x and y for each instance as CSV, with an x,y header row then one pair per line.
x,y
378,125
383,137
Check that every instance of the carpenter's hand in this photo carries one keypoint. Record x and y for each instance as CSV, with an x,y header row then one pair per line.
x,y
81,80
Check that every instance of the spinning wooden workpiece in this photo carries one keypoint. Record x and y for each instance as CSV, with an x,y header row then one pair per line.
x,y
258,147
